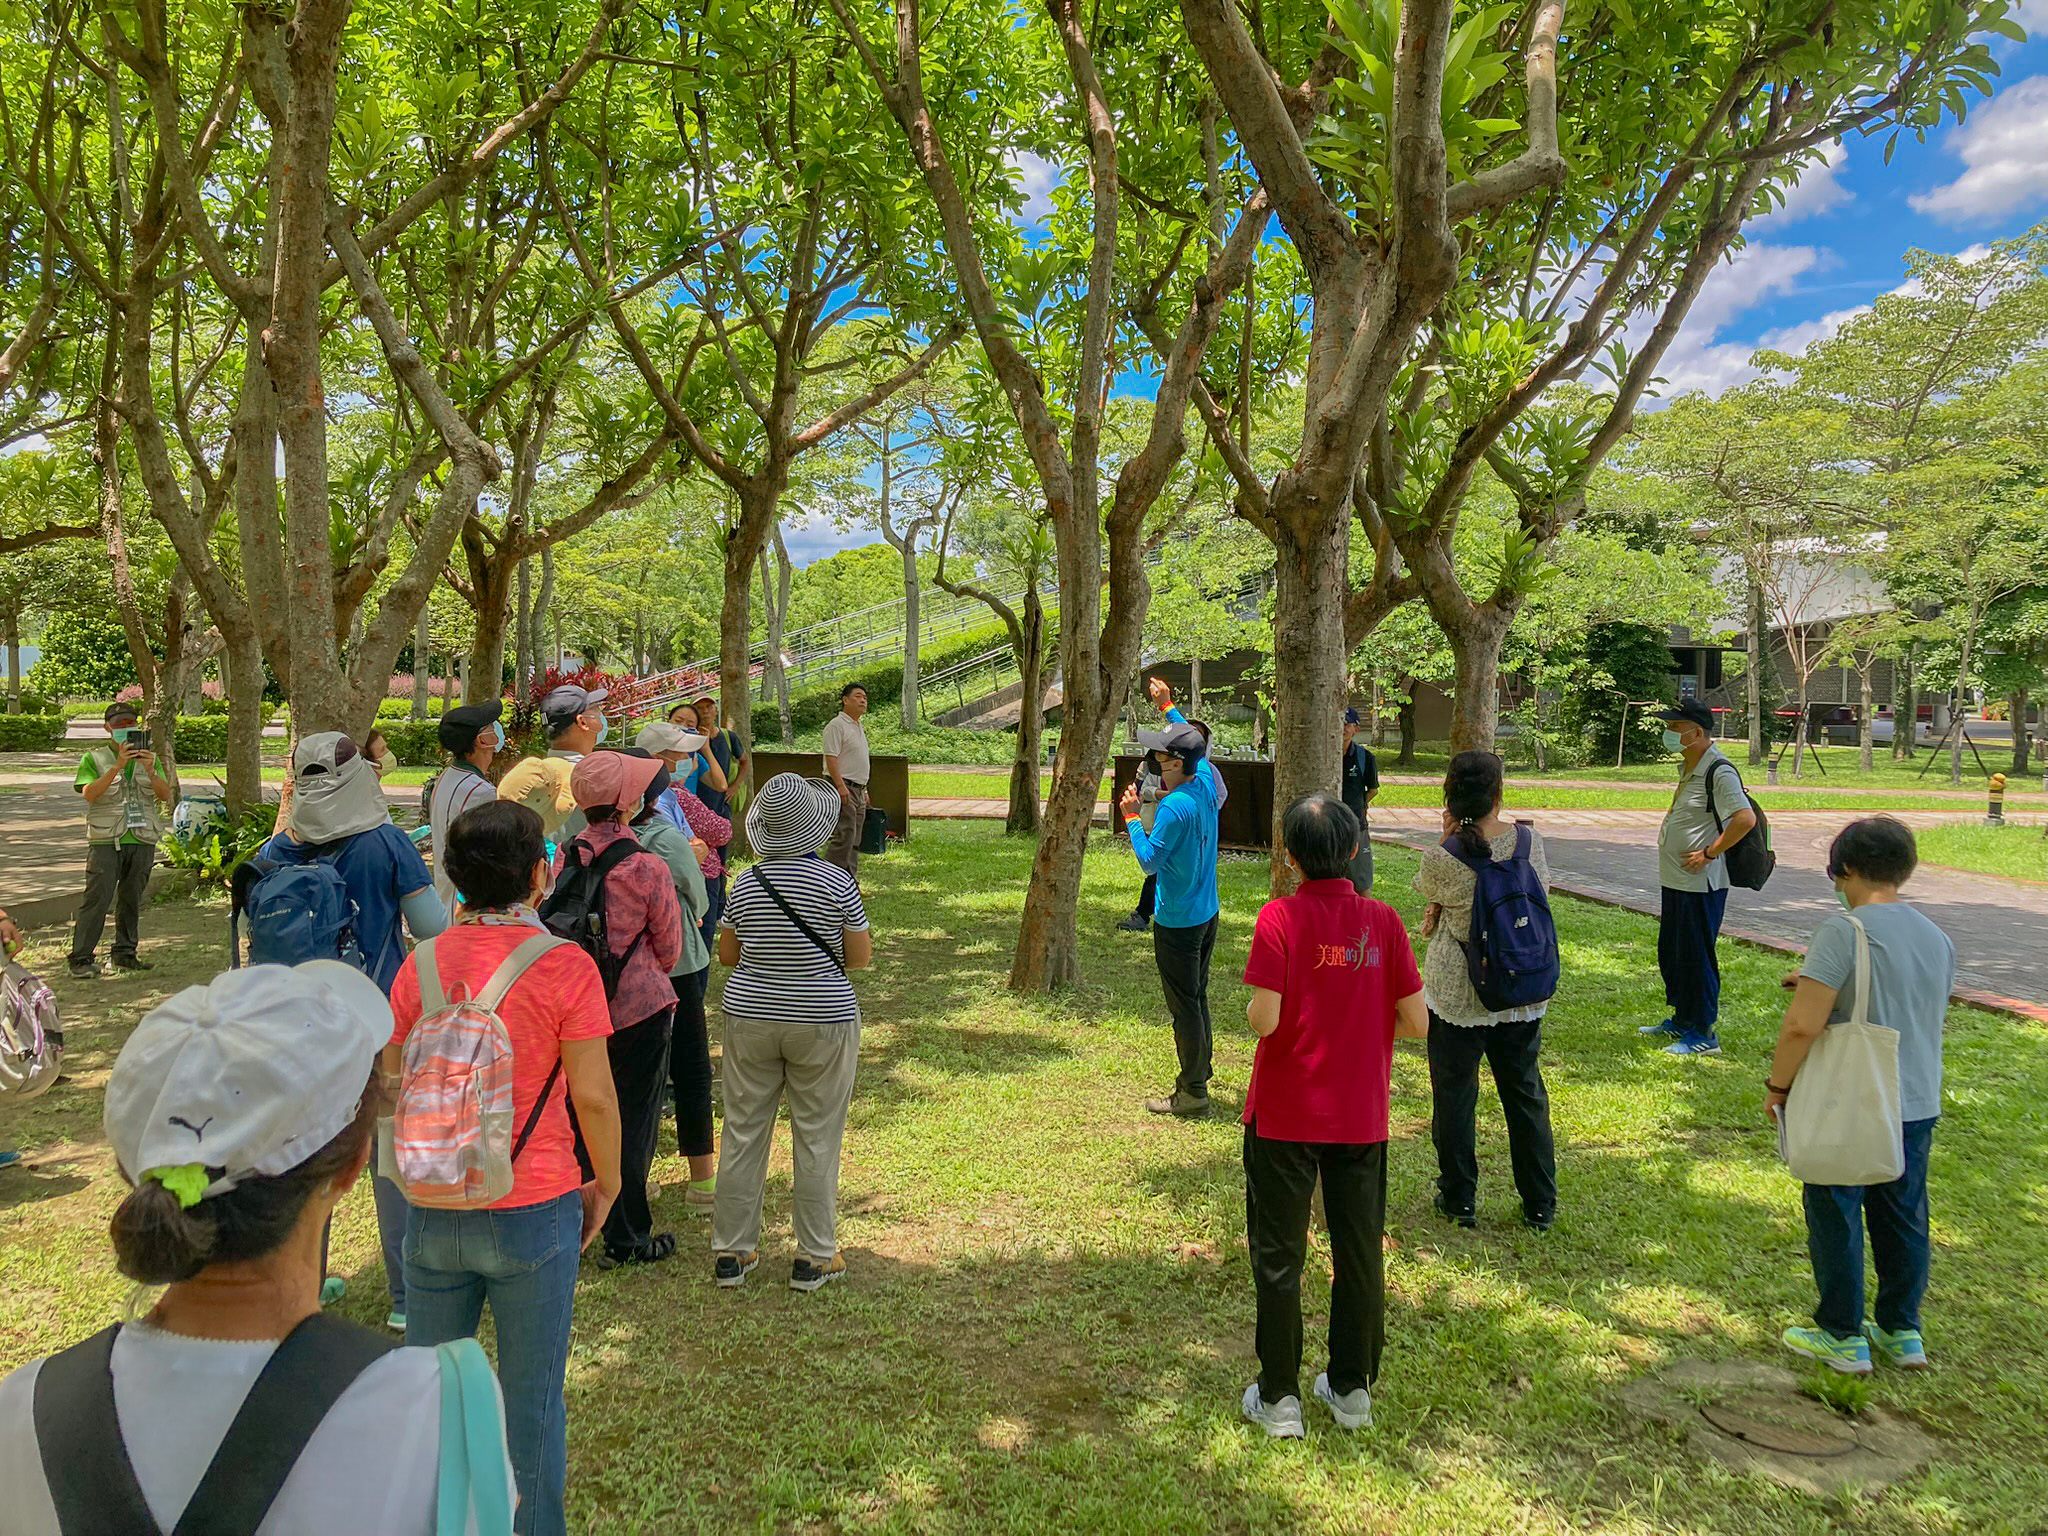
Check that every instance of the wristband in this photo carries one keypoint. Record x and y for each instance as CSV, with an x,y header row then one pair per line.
x,y
1771,1087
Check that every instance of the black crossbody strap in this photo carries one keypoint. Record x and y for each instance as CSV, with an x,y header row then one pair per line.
x,y
539,1104
803,927
305,1377
1714,810
92,1482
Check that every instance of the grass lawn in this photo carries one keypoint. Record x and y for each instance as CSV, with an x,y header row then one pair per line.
x,y
2018,850
1048,1322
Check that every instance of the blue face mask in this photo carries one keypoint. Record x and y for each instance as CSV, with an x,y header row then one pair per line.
x,y
1672,743
604,729
498,731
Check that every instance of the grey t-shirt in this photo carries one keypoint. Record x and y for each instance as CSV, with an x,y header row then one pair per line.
x,y
1689,825
1912,972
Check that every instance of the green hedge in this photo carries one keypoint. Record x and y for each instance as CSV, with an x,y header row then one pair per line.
x,y
201,738
31,733
34,704
415,743
401,709
884,683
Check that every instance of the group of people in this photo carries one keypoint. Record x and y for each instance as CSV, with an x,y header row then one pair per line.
x,y
573,901
1334,982
579,898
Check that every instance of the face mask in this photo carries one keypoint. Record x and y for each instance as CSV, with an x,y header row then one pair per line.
x,y
498,732
1843,897
1672,743
604,729
125,733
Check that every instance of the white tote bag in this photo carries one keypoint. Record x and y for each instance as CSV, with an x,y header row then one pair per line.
x,y
1843,1123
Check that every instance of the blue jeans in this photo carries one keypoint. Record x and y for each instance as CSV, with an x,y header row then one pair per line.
x,y
1688,924
391,1223
1897,1217
523,1262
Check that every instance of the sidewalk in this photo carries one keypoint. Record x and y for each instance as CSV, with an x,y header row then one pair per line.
x,y
1999,927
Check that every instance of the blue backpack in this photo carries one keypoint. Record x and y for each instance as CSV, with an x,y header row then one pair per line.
x,y
1511,950
295,913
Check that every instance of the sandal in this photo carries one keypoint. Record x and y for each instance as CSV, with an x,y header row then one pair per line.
x,y
659,1247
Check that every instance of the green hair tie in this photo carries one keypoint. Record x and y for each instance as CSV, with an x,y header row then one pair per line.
x,y
188,1181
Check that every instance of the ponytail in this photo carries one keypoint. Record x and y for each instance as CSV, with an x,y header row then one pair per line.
x,y
1472,791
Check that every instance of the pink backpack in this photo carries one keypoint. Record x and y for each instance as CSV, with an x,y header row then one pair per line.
x,y
31,1039
451,1133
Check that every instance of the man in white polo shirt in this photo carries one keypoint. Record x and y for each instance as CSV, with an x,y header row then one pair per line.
x,y
846,761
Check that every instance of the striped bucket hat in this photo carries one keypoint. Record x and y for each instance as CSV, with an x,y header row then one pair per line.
x,y
792,816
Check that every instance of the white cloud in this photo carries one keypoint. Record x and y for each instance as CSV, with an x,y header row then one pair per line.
x,y
2033,15
1697,361
1037,176
2005,168
1800,335
1819,188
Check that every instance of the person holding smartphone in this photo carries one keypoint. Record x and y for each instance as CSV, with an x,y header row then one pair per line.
x,y
125,794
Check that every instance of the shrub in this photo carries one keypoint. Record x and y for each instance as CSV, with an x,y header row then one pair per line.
x,y
201,738
215,847
31,733
1626,662
34,704
415,743
401,709
809,711
84,652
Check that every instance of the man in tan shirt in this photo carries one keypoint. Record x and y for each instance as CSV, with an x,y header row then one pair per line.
x,y
846,762
575,723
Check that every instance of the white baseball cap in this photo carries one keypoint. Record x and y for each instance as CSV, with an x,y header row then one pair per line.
x,y
248,1075
659,736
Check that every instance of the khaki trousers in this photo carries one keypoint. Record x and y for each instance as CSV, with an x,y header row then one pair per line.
x,y
844,849
813,1066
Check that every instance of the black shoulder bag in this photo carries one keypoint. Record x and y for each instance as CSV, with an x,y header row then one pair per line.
x,y
802,927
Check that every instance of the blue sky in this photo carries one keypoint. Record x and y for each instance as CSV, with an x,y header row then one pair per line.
x,y
1837,244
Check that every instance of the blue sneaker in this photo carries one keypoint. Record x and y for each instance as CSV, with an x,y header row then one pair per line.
x,y
1903,1349
1694,1045
1668,1030
9,1158
1849,1356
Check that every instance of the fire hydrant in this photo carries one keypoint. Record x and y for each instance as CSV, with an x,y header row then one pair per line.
x,y
1994,813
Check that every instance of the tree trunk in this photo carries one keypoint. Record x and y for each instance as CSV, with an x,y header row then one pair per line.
x,y
1022,819
2016,705
242,680
908,549
422,668
522,632
1475,651
543,606
1195,686
1753,654
1799,725
1406,718
1960,720
1905,723
1308,666
735,630
1867,729
11,623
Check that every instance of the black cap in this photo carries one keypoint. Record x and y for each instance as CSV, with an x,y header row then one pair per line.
x,y
1183,741
1693,710
461,726
122,709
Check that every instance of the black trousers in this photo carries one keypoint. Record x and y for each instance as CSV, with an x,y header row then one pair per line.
x,y
1148,893
1279,1182
116,878
1511,1051
1183,958
1688,927
689,1066
639,1058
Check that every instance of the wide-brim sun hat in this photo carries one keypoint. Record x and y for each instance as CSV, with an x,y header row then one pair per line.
x,y
612,778
792,816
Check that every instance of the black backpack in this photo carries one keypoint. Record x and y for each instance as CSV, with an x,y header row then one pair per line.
x,y
1511,948
92,1483
1751,861
575,908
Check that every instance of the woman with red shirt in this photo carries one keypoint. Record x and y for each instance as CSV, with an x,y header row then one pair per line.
x,y
1333,981
521,1254
644,925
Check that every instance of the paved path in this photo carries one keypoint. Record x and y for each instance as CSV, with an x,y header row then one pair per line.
x,y
2000,927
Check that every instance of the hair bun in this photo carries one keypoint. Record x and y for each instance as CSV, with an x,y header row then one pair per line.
x,y
156,1240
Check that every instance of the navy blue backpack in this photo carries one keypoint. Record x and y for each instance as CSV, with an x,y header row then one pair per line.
x,y
1511,950
294,913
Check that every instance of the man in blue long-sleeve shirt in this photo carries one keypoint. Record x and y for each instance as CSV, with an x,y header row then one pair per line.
x,y
1180,851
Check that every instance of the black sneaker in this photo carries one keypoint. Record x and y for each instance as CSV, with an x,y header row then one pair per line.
x,y
1539,1221
1463,1218
731,1269
1135,923
810,1274
132,963
82,970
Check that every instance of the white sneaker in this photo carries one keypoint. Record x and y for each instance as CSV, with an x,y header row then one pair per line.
x,y
1281,1420
1351,1411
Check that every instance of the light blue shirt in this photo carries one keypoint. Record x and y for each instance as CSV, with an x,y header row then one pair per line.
x,y
1912,973
1181,850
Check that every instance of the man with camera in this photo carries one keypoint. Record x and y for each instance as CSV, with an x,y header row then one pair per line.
x,y
124,799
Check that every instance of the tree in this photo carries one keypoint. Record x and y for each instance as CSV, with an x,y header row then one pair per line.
x,y
1858,643
1049,340
2015,666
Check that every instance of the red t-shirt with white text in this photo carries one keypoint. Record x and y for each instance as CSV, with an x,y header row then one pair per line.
x,y
1340,961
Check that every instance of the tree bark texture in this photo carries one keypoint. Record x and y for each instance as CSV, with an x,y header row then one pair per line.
x,y
1308,666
